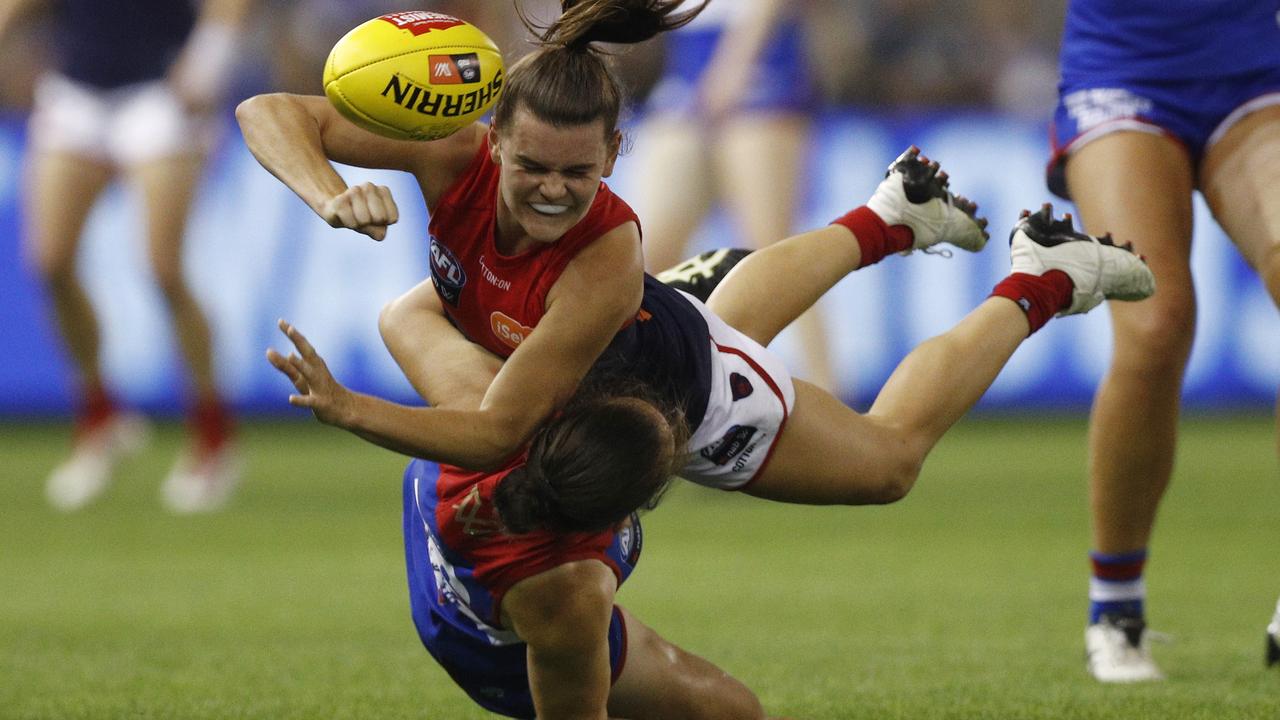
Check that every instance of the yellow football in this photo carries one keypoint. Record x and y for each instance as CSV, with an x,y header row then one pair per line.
x,y
413,75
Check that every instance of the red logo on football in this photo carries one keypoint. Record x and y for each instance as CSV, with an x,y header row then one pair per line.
x,y
421,21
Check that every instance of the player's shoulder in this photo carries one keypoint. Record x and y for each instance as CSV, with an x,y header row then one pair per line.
x,y
439,164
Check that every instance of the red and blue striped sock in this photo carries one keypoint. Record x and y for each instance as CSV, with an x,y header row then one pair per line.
x,y
1116,586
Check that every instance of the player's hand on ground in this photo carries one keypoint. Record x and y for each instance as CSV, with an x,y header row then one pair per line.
x,y
316,387
366,208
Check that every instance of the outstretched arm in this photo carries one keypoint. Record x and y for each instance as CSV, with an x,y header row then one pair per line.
x,y
296,136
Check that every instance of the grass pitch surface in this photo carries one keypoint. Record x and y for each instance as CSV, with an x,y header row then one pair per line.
x,y
966,600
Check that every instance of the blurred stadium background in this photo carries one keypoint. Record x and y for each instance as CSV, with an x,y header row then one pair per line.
x,y
965,602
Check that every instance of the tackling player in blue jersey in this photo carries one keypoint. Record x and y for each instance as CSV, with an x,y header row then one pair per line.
x,y
1159,99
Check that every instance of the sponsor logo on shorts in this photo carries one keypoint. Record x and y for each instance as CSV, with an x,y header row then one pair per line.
x,y
740,386
509,330
408,94
420,22
446,272
454,69
1095,106
733,443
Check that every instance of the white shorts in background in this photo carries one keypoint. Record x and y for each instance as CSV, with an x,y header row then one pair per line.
x,y
750,400
122,126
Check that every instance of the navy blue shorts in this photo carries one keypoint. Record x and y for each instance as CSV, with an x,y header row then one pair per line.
x,y
1196,113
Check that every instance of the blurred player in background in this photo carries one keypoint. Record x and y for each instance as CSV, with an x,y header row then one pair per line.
x,y
730,120
1159,99
134,96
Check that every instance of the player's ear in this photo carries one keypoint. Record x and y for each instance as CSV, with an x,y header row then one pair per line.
x,y
614,147
491,138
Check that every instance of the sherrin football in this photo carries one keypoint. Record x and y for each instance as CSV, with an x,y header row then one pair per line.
x,y
414,75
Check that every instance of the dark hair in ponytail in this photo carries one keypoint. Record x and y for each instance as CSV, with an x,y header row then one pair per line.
x,y
611,452
566,81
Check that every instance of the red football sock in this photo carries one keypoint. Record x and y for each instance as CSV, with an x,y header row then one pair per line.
x,y
96,407
211,423
1039,296
876,238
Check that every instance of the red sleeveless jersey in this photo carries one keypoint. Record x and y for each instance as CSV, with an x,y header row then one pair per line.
x,y
467,524
496,300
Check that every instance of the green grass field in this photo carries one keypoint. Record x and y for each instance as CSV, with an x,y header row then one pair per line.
x,y
966,600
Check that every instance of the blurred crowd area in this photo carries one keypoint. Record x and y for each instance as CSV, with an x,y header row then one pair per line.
x,y
872,54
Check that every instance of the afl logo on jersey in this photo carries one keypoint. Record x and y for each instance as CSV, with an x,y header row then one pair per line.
x,y
446,272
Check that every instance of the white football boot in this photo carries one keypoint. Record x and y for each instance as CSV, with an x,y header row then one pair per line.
x,y
915,193
1273,638
203,479
1099,269
84,476
1117,650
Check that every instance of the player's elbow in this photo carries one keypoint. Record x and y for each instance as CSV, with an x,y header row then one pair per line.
x,y
250,109
391,321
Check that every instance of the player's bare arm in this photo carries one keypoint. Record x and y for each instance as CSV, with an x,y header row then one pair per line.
x,y
563,616
586,307
297,137
446,368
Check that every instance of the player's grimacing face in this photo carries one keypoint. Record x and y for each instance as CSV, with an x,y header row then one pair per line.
x,y
549,175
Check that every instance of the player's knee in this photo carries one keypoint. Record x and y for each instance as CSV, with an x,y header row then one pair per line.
x,y
1161,333
897,483
53,268
170,281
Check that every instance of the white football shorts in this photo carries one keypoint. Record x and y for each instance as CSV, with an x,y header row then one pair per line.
x,y
123,126
751,398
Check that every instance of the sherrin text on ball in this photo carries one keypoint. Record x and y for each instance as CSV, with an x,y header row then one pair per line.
x,y
414,75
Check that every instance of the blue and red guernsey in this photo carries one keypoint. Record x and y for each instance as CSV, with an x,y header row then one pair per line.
x,y
462,563
496,299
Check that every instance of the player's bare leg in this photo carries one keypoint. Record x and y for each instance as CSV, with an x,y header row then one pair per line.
x,y
205,475
1136,186
676,195
760,158
168,188
61,191
1238,177
911,207
661,681
830,454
